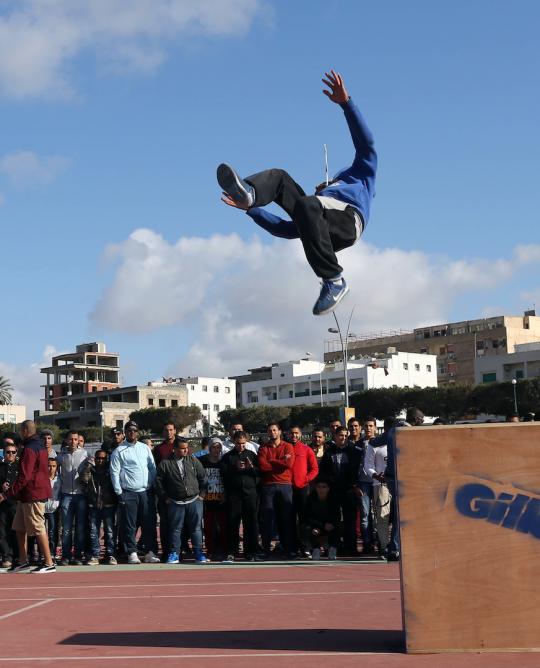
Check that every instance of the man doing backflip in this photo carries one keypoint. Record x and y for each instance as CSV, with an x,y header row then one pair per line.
x,y
328,221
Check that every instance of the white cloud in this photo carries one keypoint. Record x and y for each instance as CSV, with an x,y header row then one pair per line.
x,y
26,380
39,39
249,303
25,168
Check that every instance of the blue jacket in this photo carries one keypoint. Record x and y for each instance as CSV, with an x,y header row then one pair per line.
x,y
132,467
354,185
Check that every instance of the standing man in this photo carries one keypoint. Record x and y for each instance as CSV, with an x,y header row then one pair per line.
x,y
318,443
214,511
102,502
241,472
9,470
340,467
305,469
74,510
163,451
181,484
328,221
364,486
375,466
133,472
228,444
276,461
31,489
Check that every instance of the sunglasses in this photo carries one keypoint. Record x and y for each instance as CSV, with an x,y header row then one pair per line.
x,y
10,452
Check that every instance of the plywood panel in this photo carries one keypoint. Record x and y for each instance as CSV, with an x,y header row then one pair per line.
x,y
469,505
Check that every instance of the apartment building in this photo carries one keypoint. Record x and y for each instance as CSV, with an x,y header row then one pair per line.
x,y
311,382
523,363
456,345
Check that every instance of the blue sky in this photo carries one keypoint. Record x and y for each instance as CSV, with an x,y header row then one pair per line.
x,y
115,120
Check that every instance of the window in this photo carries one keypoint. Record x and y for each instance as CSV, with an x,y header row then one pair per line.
x,y
428,368
227,390
192,387
489,377
205,388
227,407
216,408
423,351
253,397
205,407
216,388
405,366
417,367
94,388
162,403
150,401
442,350
2,418
519,375
174,403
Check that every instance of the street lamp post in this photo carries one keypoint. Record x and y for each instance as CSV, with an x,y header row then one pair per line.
x,y
514,383
101,416
344,340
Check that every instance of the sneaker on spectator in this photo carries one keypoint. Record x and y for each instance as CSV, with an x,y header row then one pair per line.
x,y
332,553
150,558
133,558
19,568
200,557
316,554
93,561
173,558
229,559
7,563
44,569
64,562
111,560
76,562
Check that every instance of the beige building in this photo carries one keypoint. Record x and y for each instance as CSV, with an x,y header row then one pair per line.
x,y
113,407
12,413
456,344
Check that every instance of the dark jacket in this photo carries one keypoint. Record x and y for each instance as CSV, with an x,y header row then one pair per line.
x,y
240,480
8,473
342,476
32,482
171,485
97,486
317,513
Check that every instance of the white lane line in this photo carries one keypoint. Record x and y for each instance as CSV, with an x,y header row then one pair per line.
x,y
188,584
191,657
196,596
28,607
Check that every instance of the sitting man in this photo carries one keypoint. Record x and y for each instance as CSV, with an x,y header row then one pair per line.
x,y
320,527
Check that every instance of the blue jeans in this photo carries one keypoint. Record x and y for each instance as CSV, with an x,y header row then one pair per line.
x,y
74,512
134,510
190,514
97,517
366,519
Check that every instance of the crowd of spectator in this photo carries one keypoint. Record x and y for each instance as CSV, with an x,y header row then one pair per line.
x,y
287,496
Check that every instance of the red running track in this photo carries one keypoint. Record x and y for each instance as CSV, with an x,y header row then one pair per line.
x,y
328,614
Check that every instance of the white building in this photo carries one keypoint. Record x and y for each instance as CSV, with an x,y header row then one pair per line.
x,y
523,363
211,395
302,381
12,413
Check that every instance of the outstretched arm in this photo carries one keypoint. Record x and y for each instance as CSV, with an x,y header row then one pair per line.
x,y
360,133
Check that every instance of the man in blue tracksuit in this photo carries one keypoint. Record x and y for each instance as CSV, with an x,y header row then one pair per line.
x,y
328,221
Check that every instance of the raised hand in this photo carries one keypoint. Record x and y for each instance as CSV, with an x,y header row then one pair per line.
x,y
230,202
338,92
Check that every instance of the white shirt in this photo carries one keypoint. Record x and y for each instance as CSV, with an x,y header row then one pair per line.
x,y
228,445
375,462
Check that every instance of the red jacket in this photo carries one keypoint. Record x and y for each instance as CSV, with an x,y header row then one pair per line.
x,y
32,483
162,451
276,468
305,467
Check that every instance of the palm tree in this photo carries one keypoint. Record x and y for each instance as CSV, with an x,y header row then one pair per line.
x,y
5,390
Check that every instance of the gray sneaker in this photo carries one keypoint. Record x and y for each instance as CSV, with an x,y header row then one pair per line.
x,y
237,189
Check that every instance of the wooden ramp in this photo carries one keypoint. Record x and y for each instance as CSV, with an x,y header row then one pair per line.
x,y
469,505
